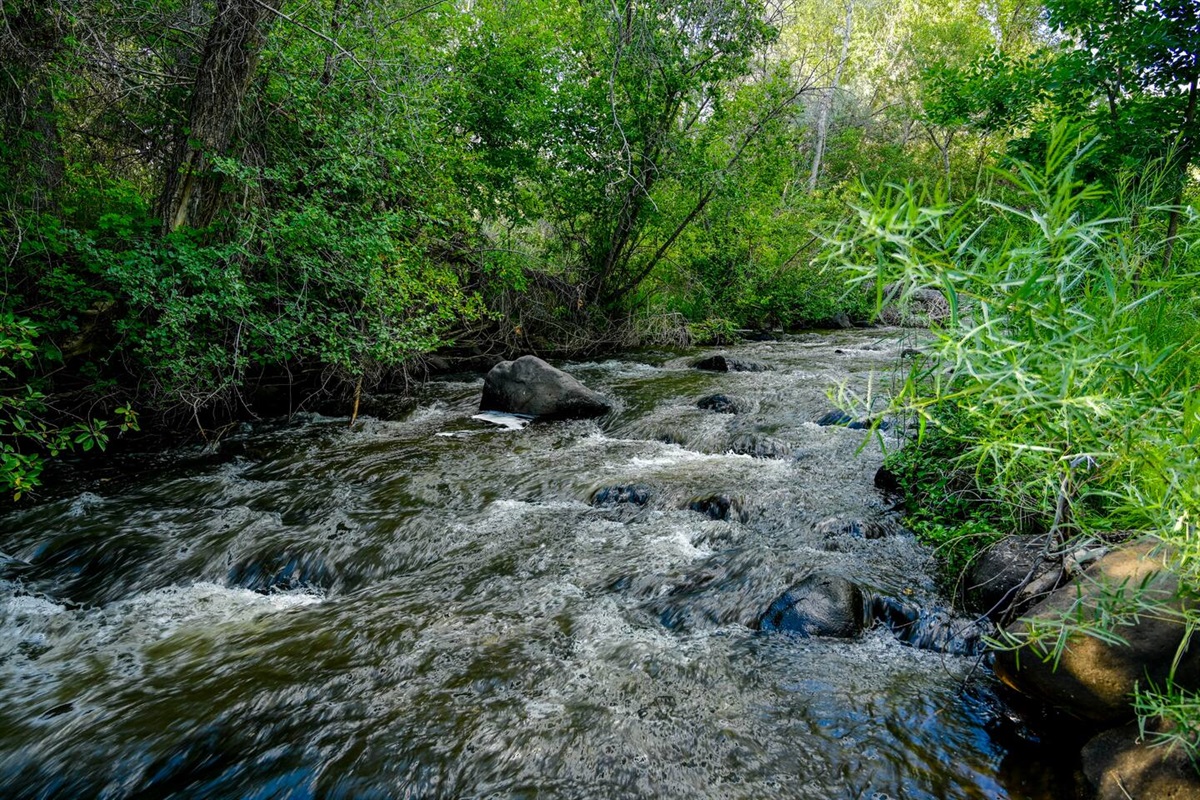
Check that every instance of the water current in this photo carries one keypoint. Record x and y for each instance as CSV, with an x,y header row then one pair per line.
x,y
436,605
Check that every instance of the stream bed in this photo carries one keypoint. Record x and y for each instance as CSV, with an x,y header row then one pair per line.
x,y
437,605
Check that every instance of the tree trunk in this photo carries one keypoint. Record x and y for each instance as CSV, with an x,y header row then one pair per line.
x,y
827,101
31,36
191,189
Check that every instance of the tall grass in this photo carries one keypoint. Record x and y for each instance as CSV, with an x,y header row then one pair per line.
x,y
1065,380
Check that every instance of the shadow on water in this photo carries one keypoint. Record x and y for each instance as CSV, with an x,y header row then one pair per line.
x,y
434,606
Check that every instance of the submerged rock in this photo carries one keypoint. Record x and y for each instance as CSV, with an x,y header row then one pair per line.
x,y
855,528
839,418
632,494
1120,767
282,571
928,629
725,364
722,404
532,387
758,446
820,605
718,507
1094,679
835,417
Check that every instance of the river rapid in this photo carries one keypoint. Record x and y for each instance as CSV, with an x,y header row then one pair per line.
x,y
432,605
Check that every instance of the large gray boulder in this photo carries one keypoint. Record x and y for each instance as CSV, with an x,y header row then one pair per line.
x,y
532,387
1095,679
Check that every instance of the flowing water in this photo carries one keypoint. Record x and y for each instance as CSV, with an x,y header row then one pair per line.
x,y
435,606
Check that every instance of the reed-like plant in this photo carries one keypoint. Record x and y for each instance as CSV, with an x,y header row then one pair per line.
x,y
1065,377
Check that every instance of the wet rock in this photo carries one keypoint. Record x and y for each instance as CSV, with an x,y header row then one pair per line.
x,y
1010,576
384,406
928,629
835,417
718,507
722,404
532,387
758,446
888,482
820,605
840,418
1119,767
728,588
1095,679
725,364
758,336
282,571
855,528
632,494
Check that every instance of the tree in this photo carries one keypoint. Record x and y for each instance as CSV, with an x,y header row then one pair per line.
x,y
1144,61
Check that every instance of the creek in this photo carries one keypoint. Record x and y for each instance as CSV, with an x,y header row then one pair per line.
x,y
433,605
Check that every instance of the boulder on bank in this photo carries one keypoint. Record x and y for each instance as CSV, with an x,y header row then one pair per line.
x,y
532,387
1094,679
1010,576
913,308
820,605
1120,767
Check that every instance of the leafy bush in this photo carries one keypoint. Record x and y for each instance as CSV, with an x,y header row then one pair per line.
x,y
25,438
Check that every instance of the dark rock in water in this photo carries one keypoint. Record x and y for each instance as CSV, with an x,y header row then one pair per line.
x,y
725,364
910,352
1120,767
835,417
856,528
840,418
1095,679
934,629
719,507
282,571
621,495
887,482
532,387
820,605
720,403
383,406
757,446
1007,578
758,336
